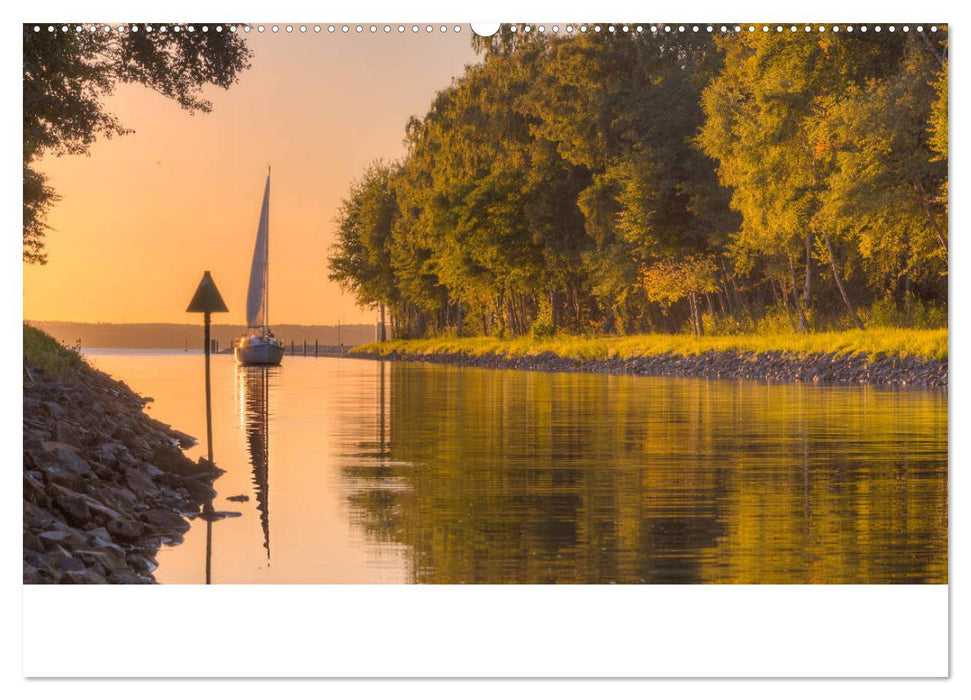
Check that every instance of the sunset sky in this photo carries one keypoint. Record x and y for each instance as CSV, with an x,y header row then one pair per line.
x,y
145,214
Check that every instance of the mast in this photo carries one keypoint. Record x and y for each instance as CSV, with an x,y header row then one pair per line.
x,y
266,260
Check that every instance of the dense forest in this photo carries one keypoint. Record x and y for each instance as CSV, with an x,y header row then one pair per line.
x,y
625,182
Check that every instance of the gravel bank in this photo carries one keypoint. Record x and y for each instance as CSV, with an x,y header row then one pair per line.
x,y
105,485
774,366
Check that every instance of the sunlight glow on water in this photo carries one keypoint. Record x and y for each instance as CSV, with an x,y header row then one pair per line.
x,y
359,471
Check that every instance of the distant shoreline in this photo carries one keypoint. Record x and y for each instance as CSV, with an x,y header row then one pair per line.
x,y
179,336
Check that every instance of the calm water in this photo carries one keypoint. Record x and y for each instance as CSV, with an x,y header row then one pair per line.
x,y
358,471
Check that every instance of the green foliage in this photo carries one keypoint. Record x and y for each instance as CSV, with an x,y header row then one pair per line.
x,y
543,325
629,183
42,352
67,75
360,259
912,313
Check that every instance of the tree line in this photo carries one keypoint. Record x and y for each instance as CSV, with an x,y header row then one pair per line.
x,y
642,182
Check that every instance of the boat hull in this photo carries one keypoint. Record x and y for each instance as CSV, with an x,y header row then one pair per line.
x,y
258,351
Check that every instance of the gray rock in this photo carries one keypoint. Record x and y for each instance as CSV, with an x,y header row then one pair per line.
x,y
65,477
184,439
142,563
75,509
139,482
67,563
70,459
128,529
67,433
128,577
113,453
165,520
170,459
85,576
199,491
54,535
33,542
92,504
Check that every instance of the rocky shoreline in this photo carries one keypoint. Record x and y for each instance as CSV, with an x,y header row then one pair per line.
x,y
105,485
828,368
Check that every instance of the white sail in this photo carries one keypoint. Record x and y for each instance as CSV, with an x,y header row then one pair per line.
x,y
256,298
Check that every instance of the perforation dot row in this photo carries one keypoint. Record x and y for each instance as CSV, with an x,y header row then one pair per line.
x,y
442,29
695,28
274,28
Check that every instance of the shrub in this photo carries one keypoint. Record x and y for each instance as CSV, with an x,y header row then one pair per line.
x,y
913,313
543,325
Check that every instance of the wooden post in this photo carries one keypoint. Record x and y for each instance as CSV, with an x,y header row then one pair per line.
x,y
208,390
316,347
209,510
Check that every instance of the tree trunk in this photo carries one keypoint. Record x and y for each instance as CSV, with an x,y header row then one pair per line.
x,y
701,321
808,288
696,327
803,322
783,296
941,241
839,283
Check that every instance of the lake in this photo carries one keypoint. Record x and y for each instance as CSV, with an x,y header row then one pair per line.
x,y
357,471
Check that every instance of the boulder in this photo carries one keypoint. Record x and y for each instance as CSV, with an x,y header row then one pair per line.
x,y
165,520
68,457
128,529
139,482
171,459
199,490
75,510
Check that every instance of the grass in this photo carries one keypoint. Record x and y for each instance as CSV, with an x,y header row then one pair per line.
x,y
873,342
41,351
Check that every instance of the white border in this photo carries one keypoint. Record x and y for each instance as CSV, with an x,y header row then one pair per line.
x,y
481,631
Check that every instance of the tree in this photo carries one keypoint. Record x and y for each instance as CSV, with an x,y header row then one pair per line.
x,y
669,281
360,260
885,187
625,108
763,119
617,182
68,74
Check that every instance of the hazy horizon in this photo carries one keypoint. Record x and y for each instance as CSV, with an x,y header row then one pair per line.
x,y
181,335
141,217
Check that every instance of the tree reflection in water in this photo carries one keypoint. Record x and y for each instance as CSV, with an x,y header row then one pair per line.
x,y
518,477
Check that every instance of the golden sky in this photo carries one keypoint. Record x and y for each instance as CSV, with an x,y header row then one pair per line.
x,y
143,215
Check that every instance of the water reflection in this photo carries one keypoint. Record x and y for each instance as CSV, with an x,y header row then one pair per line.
x,y
513,477
392,473
253,388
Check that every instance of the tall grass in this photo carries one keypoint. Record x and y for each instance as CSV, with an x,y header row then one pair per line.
x,y
41,351
872,342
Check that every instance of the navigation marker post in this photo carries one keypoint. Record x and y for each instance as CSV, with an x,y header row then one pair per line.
x,y
207,300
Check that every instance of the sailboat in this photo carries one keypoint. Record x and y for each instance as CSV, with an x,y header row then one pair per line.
x,y
258,346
